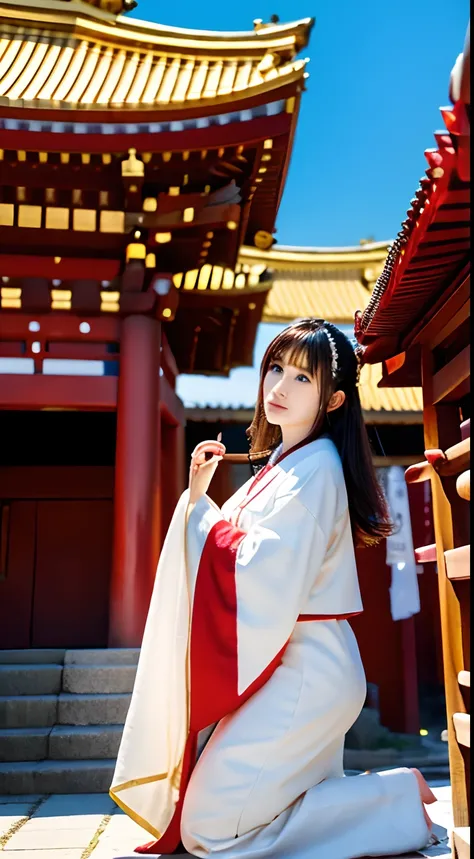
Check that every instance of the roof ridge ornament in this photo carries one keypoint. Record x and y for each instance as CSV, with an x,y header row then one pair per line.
x,y
132,166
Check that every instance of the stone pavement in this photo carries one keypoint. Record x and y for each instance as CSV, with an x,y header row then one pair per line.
x,y
79,826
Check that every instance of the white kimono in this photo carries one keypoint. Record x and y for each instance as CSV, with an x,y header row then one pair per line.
x,y
247,631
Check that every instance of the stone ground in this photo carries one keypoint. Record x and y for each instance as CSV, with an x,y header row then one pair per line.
x,y
79,826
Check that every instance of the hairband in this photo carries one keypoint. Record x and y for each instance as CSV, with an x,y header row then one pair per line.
x,y
332,344
358,349
334,355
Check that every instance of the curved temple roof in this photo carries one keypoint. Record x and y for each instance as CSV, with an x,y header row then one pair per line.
x,y
329,282
78,56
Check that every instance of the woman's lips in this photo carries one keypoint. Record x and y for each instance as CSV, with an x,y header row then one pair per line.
x,y
276,406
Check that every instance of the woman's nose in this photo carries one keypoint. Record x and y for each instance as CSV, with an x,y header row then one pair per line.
x,y
280,388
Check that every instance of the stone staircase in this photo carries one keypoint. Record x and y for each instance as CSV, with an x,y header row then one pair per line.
x,y
61,718
62,714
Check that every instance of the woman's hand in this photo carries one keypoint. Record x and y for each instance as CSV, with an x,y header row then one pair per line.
x,y
202,470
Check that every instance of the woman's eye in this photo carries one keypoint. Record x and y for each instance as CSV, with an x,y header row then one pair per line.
x,y
302,378
275,368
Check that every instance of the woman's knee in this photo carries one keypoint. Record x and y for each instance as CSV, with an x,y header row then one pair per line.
x,y
204,822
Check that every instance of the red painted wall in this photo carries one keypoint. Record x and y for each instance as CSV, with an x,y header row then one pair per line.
x,y
54,589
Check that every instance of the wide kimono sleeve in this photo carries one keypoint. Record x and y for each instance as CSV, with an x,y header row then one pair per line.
x,y
223,608
247,590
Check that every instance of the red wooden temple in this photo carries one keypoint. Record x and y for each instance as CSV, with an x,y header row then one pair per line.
x,y
134,161
418,324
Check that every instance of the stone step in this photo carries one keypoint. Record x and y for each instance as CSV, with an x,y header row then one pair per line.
x,y
93,709
30,679
105,656
98,678
91,776
41,656
28,711
72,742
24,744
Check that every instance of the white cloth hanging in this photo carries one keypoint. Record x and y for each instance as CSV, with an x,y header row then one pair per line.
x,y
404,592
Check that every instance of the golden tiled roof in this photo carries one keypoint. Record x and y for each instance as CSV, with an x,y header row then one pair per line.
x,y
326,294
327,282
374,399
61,57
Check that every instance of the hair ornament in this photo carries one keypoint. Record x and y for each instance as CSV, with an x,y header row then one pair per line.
x,y
334,355
321,323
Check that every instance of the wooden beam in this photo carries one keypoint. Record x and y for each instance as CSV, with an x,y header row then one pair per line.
x,y
211,217
448,315
60,327
441,425
232,134
463,485
462,727
91,393
458,563
462,842
457,458
80,351
68,268
418,472
399,418
446,381
446,464
426,554
385,461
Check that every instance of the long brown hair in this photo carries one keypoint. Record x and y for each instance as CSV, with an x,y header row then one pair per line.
x,y
305,343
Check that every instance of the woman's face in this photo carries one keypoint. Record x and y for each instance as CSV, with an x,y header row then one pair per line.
x,y
290,397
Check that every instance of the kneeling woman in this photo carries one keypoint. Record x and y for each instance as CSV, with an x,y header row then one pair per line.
x,y
249,674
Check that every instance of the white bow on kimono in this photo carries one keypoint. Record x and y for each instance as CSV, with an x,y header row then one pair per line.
x,y
229,589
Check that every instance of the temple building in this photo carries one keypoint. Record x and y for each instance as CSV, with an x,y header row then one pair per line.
x,y
417,323
141,171
135,160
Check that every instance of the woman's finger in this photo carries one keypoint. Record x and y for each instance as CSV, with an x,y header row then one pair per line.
x,y
207,452
214,449
201,460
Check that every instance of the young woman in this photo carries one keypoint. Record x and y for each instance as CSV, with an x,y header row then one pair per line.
x,y
250,675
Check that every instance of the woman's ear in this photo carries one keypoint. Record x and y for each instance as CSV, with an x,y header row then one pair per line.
x,y
336,401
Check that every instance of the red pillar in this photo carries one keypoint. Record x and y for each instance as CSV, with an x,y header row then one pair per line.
x,y
173,469
137,481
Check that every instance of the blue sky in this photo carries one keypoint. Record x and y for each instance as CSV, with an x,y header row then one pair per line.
x,y
379,71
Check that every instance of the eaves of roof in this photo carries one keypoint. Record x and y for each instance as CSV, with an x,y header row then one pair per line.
x,y
74,55
431,252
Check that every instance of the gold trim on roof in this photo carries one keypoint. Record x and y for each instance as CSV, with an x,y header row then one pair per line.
x,y
48,68
287,39
324,282
289,258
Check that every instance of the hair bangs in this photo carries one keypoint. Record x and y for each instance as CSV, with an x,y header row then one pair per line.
x,y
302,348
